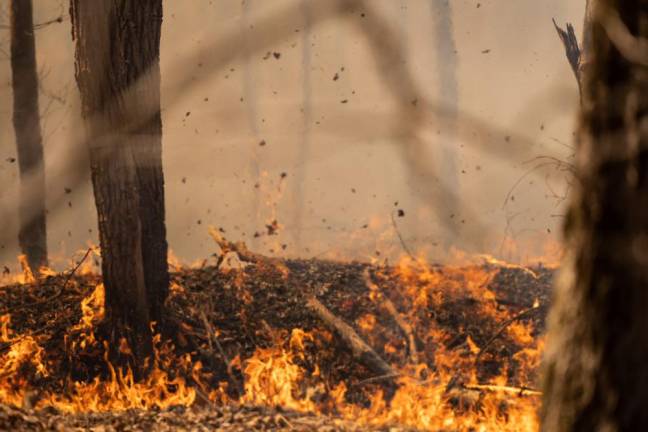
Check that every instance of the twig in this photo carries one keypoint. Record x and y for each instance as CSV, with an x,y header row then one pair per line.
x,y
389,306
400,238
504,326
202,396
66,281
520,391
60,291
58,20
377,379
212,338
25,336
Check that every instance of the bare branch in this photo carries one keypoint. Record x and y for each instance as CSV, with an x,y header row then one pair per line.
x,y
572,50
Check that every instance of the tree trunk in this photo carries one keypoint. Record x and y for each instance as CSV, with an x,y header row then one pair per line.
x,y
26,120
447,91
117,72
595,362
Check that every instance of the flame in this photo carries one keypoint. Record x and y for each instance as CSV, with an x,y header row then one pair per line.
x,y
441,391
273,378
120,391
425,398
23,352
28,274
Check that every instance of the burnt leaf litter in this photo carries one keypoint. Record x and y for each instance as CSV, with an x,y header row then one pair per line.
x,y
257,306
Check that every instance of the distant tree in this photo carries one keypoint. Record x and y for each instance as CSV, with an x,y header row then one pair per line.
x,y
447,90
118,75
595,366
26,120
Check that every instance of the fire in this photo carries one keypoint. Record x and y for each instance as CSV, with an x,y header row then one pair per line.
x,y
426,398
438,385
119,391
273,378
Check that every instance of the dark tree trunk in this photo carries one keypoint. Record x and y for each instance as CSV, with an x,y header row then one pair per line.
x,y
596,370
26,120
117,72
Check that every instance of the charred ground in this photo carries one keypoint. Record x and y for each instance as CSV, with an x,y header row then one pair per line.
x,y
463,319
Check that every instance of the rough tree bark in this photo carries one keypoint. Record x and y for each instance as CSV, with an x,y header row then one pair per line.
x,y
117,72
26,119
595,367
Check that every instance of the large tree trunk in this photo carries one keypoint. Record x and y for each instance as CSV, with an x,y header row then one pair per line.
x,y
117,72
596,376
26,120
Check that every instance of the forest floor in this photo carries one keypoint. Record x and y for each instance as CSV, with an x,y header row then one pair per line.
x,y
454,328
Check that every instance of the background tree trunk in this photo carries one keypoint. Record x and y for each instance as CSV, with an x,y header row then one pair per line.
x,y
26,119
117,72
596,377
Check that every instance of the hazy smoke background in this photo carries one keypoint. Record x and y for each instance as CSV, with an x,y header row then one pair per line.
x,y
320,108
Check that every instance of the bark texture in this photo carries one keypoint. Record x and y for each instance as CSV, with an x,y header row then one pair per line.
x,y
117,72
596,375
26,120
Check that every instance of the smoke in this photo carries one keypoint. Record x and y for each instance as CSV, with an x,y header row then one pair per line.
x,y
400,113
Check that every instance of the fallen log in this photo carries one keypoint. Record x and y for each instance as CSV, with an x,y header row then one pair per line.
x,y
360,350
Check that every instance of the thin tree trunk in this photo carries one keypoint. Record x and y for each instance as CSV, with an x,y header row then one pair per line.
x,y
447,60
306,137
26,120
595,366
117,45
251,97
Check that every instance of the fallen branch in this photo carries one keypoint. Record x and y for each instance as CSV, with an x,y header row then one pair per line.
x,y
519,391
388,377
213,340
239,248
405,327
244,254
503,327
389,306
458,389
360,350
